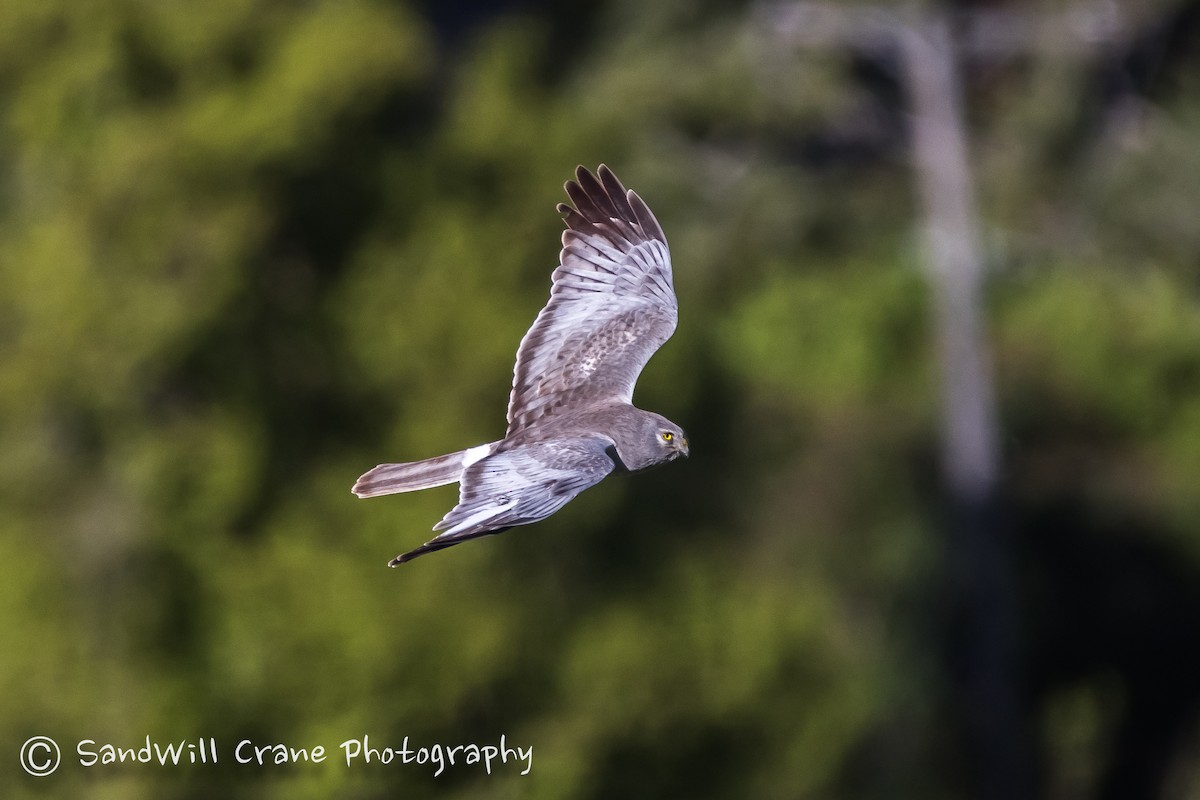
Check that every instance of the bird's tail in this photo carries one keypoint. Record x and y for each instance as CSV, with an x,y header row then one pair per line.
x,y
436,471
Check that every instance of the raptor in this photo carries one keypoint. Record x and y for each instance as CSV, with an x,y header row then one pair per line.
x,y
571,418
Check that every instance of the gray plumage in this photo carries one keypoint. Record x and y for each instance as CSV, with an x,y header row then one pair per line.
x,y
571,419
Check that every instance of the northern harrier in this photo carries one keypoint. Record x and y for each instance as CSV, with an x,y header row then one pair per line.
x,y
571,420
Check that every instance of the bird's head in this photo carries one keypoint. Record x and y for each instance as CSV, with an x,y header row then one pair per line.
x,y
649,440
671,441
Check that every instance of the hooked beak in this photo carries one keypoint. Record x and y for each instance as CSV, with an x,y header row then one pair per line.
x,y
682,447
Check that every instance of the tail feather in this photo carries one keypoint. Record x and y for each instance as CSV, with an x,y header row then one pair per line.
x,y
414,475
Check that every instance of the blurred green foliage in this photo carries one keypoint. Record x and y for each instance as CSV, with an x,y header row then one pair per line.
x,y
250,248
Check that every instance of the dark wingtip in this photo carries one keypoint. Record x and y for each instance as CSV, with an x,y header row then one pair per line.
x,y
441,543
433,545
404,558
581,176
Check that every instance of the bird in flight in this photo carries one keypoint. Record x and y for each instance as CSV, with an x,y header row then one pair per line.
x,y
571,418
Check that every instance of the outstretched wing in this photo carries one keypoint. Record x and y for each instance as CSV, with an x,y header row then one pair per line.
x,y
519,486
612,304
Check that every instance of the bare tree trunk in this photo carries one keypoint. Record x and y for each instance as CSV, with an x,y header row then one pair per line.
x,y
984,640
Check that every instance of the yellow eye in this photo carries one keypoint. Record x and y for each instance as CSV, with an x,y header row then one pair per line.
x,y
667,436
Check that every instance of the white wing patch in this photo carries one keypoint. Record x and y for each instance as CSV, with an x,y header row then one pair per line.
x,y
473,454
